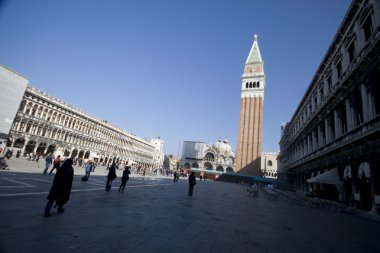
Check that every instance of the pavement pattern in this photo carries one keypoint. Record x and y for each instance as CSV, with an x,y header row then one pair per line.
x,y
155,215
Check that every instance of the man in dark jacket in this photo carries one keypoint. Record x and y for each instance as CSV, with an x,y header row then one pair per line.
x,y
124,178
61,188
111,176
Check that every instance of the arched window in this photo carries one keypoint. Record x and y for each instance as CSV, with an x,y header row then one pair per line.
x,y
270,163
246,85
250,85
28,108
22,105
34,110
39,111
254,84
258,84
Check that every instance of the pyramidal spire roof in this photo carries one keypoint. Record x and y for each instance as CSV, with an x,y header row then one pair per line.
x,y
254,54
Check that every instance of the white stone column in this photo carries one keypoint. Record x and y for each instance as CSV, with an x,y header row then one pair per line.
x,y
364,102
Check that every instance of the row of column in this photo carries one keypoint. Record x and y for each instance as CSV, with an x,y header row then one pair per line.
x,y
335,130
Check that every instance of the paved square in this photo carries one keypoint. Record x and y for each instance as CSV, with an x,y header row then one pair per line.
x,y
155,215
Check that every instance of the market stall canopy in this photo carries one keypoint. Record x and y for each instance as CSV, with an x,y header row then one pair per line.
x,y
329,177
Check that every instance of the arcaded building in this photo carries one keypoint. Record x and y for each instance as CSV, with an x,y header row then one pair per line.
x,y
44,124
332,142
248,152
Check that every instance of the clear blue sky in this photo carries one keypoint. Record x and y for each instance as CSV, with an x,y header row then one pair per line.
x,y
169,68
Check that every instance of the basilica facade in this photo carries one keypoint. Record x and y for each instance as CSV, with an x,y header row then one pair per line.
x,y
207,158
44,124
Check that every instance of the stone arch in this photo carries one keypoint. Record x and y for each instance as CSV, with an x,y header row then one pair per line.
x,y
229,169
19,143
28,107
220,168
39,111
81,154
270,163
67,152
87,155
44,113
74,153
187,165
195,165
22,105
50,115
209,156
51,149
29,148
34,110
365,191
208,166
41,148
54,117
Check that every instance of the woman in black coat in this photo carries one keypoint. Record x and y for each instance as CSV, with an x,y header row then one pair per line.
x,y
61,188
111,176
192,182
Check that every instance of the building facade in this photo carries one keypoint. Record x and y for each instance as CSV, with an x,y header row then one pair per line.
x,y
170,163
158,156
269,165
12,87
44,124
210,159
248,152
333,138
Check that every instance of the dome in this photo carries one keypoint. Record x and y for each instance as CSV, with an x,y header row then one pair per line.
x,y
223,147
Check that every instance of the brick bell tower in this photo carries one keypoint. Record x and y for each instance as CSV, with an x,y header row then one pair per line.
x,y
248,152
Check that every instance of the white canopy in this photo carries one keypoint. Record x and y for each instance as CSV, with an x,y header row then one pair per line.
x,y
329,177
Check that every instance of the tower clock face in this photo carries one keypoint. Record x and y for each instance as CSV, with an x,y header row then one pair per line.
x,y
249,69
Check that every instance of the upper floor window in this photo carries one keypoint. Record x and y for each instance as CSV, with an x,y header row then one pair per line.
x,y
329,83
367,27
339,69
321,93
351,52
315,102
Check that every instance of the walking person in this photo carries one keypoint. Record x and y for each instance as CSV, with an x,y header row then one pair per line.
x,y
56,164
61,188
192,182
175,176
88,169
124,178
111,176
48,162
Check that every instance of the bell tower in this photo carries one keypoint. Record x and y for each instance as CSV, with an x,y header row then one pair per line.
x,y
248,152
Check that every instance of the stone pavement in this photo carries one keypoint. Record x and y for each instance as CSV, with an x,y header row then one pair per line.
x,y
155,215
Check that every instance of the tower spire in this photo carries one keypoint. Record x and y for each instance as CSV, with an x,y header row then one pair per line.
x,y
254,55
248,152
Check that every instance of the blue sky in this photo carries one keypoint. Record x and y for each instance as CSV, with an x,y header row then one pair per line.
x,y
169,68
